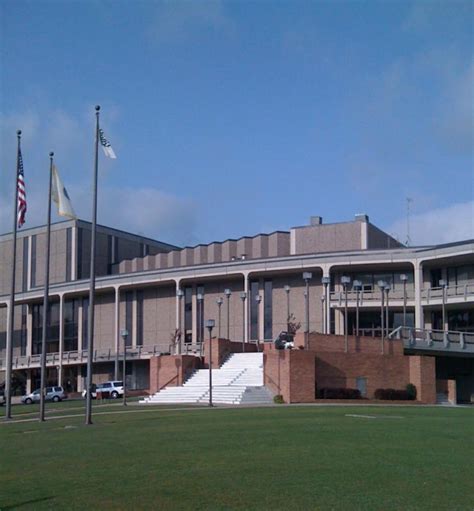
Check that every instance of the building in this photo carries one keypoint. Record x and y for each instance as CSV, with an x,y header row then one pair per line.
x,y
152,289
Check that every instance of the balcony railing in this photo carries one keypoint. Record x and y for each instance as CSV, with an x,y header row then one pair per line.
x,y
463,291
370,296
79,357
435,340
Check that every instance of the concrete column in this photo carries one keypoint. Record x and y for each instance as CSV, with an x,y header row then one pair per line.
x,y
327,293
178,315
261,309
418,283
61,339
195,314
28,382
117,332
133,333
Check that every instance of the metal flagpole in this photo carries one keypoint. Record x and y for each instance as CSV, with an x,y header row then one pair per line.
x,y
11,311
46,294
90,325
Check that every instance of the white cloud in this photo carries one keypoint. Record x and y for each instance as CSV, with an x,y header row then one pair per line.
x,y
440,225
148,211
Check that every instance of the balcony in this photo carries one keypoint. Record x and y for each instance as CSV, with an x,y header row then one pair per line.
x,y
367,298
454,294
80,357
418,339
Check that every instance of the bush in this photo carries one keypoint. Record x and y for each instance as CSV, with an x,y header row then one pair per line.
x,y
411,389
338,393
394,395
278,399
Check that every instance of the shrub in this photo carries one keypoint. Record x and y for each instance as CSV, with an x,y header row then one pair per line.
x,y
338,393
394,395
411,389
278,399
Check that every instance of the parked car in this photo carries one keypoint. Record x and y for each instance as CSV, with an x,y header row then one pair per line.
x,y
113,389
52,394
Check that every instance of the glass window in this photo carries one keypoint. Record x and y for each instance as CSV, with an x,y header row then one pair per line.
x,y
139,317
188,314
85,322
268,310
129,316
71,325
254,305
24,331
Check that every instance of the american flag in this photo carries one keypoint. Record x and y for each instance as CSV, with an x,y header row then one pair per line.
x,y
21,191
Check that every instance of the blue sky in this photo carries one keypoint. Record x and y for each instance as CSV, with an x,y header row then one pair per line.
x,y
233,118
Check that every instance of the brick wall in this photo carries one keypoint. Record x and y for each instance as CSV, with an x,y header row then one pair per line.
x,y
171,370
423,376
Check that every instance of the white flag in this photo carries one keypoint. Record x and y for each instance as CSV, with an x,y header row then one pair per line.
x,y
106,146
60,196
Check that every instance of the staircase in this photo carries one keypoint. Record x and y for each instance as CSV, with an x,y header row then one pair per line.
x,y
238,381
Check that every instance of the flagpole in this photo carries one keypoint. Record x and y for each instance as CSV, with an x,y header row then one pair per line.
x,y
90,322
11,311
46,294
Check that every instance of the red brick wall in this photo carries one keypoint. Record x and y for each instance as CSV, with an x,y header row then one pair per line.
x,y
290,373
171,370
423,376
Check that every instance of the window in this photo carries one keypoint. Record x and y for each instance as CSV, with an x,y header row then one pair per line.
x,y
435,276
68,254
139,317
33,260
268,310
254,306
188,314
200,315
24,283
85,322
71,325
23,332
52,328
129,316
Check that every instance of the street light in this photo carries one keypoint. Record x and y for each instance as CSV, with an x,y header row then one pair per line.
x,y
345,281
227,293
200,298
357,285
210,323
323,299
180,295
124,334
404,279
287,291
243,296
444,285
258,299
219,302
382,285
307,276
326,281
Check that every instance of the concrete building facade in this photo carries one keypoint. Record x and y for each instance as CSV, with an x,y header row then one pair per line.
x,y
154,289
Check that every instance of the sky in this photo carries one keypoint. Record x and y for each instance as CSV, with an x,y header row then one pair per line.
x,y
232,118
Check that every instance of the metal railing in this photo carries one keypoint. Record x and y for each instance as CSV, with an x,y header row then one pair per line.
x,y
370,296
435,340
80,356
463,291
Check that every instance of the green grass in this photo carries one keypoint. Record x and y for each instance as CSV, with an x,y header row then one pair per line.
x,y
289,458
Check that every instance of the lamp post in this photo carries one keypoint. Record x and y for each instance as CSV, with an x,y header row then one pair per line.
x,y
326,281
381,285
219,302
180,294
387,291
258,299
287,291
345,281
404,279
323,299
227,293
307,276
200,323
443,285
124,334
357,285
243,296
210,323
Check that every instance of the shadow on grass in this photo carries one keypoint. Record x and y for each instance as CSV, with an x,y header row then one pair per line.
x,y
25,503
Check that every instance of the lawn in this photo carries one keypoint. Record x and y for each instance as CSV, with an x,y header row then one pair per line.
x,y
291,458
